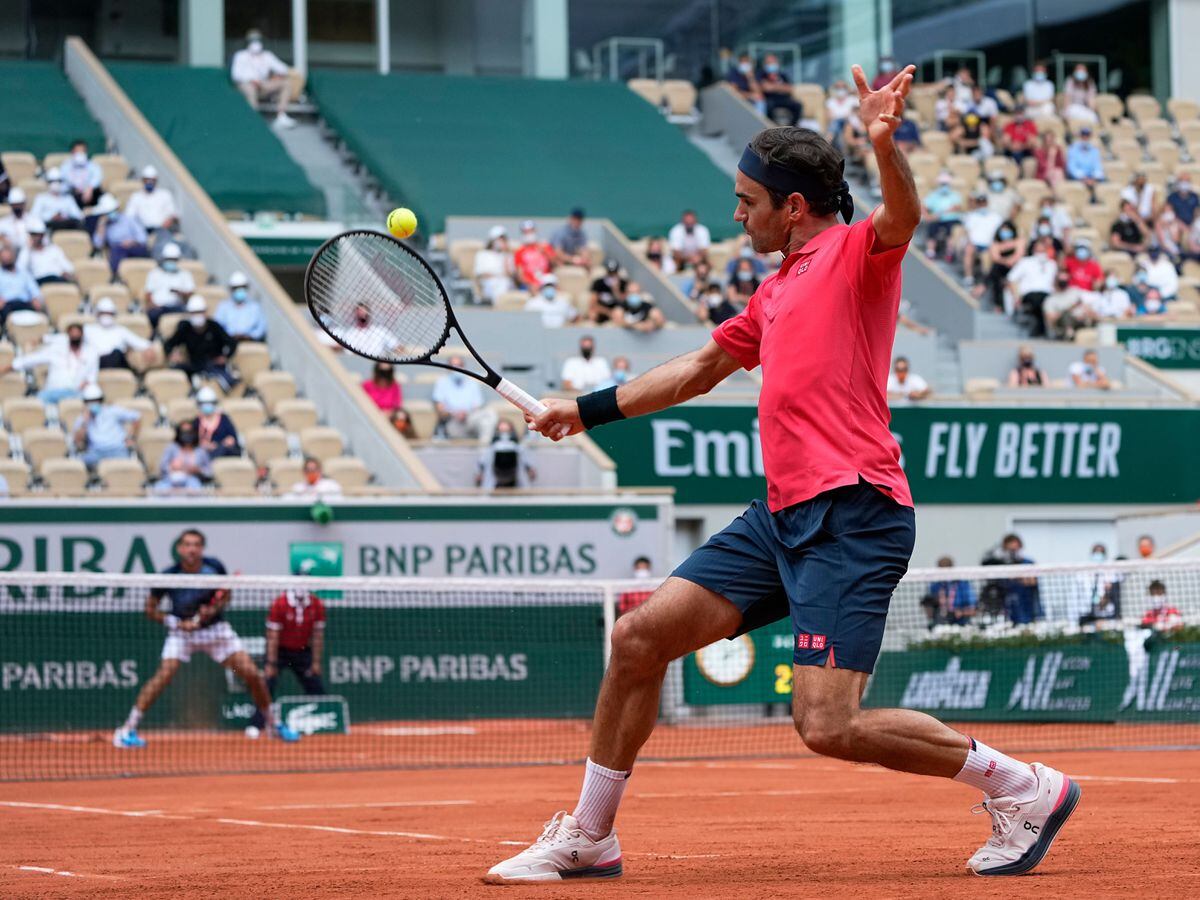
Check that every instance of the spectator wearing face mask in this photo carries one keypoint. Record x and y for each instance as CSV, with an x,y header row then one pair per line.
x,y
82,175
587,371
14,227
627,601
261,76
1020,598
1151,304
887,71
776,88
1084,162
1145,546
1020,136
1112,301
18,290
1056,213
622,371
494,267
1128,231
941,210
121,236
1141,193
641,313
744,282
1044,229
241,316
1002,199
963,85
1031,281
980,225
44,259
555,307
689,241
104,430
1081,265
742,79
904,384
314,485
969,132
1026,372
505,462
383,388
1038,92
459,404
695,285
71,365
840,107
570,241
1079,96
1003,254
745,251
1051,160
168,286
1097,595
608,295
1066,309
185,465
206,346
215,431
713,307
1160,273
1088,374
533,259
153,207
113,343
1160,614
403,424
56,207
1184,202
658,255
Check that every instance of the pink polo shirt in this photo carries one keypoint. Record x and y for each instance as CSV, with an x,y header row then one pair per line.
x,y
822,329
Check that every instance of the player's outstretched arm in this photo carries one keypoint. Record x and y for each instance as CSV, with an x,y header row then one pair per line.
x,y
670,384
898,217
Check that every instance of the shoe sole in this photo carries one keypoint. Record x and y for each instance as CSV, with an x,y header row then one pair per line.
x,y
1035,854
590,873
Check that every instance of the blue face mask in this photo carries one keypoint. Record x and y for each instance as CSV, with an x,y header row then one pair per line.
x,y
771,67
149,186
94,407
113,216
634,300
620,376
1005,234
239,295
170,265
208,408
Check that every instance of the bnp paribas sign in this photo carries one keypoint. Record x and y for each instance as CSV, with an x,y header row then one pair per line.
x,y
713,454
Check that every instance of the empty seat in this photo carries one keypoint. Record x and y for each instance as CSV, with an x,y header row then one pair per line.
x,y
1109,107
1183,110
55,160
152,442
117,293
70,319
113,168
122,477
296,414
19,165
32,187
1142,107
272,387
462,253
181,409
117,384
138,323
90,272
649,89
245,413
235,476
69,411
680,96
266,443
348,471
61,300
7,352
1166,153
168,322
76,244
1119,263
511,301
16,473
214,294
4,444
938,143
12,384
23,413
65,477
133,271
123,189
1156,130
199,273
42,444
250,358
423,417
322,442
27,328
285,472
165,385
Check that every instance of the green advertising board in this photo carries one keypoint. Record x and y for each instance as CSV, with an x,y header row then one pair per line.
x,y
1167,348
711,454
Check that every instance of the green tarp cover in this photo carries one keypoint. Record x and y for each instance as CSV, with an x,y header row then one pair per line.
x,y
229,148
40,112
446,145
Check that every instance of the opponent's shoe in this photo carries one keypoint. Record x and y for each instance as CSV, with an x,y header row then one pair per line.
x,y
284,733
563,851
253,732
127,739
1023,830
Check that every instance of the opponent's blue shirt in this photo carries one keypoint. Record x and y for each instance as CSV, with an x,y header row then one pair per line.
x,y
186,602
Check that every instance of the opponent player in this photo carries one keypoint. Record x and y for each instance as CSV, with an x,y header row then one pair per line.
x,y
195,624
837,530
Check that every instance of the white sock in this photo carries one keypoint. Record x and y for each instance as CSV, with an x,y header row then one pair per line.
x,y
135,716
995,774
599,799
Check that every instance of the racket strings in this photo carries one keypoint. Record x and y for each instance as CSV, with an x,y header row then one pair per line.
x,y
377,298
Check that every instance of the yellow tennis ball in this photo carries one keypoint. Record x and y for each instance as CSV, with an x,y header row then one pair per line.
x,y
401,222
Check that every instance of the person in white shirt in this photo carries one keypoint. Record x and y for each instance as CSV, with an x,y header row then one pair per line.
x,y
1160,273
56,207
494,267
1141,193
315,486
112,342
167,285
14,227
1038,92
154,207
71,365
459,404
1112,301
1031,280
689,241
555,308
904,384
365,336
43,259
83,175
980,224
1088,373
261,76
840,107
585,372
1060,218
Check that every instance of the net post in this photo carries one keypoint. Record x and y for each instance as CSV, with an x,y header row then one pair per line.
x,y
610,620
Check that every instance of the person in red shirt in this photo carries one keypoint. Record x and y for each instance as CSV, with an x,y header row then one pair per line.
x,y
1085,273
1160,615
1020,136
296,640
835,534
533,258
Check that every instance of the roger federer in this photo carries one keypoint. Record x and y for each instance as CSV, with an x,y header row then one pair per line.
x,y
837,530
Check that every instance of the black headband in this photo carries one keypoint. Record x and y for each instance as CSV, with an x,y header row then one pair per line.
x,y
788,181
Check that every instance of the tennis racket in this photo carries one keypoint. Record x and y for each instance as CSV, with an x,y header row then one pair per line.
x,y
381,300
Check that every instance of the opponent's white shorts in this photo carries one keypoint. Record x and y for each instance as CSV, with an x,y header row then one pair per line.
x,y
219,641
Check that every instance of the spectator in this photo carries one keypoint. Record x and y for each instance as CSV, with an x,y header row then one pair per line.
x,y
261,77
714,307
689,241
608,295
697,284
56,207
3,487
240,316
1160,273
570,241
1044,229
1111,301
1088,374
1140,193
840,107
949,602
1167,233
1151,304
776,88
494,267
367,337
460,409
383,388
216,432
904,384
1145,546
14,227
622,371
741,78
112,343
1051,160
587,371
154,208
1081,265
167,286
1002,199
205,344
104,431
1066,309
403,424
555,307
641,314
1020,596
72,365
314,485
1098,593
746,251
82,175
1020,136
295,641
942,206
1026,372
944,111
533,258
1079,96
505,462
657,255
968,132
1084,162
1160,614
1031,281
982,105
122,236
1038,93
744,281
907,136
44,259
1128,231
963,85
1184,202
1060,218
887,71
185,465
980,225
1004,253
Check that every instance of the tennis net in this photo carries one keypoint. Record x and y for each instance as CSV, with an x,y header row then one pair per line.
x,y
432,673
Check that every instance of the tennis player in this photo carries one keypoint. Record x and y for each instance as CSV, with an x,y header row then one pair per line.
x,y
196,624
836,533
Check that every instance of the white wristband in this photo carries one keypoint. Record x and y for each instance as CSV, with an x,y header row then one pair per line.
x,y
171,621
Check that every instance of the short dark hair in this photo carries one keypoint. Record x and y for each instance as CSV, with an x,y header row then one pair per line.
x,y
642,559
1010,537
313,459
194,532
805,151
1156,586
900,359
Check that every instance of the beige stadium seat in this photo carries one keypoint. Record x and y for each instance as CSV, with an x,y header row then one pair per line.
x,y
1142,107
32,187
122,477
138,323
680,96
1097,217
117,384
70,319
65,477
1108,195
266,443
7,353
812,98
42,444
1182,109
75,243
511,301
649,89
165,385
246,413
1074,194
5,443
1109,108
90,272
23,413
423,417
168,322
1122,130
348,471
1055,124
12,384
69,411
284,472
61,300
16,473
1003,165
122,190
938,143
1156,130
152,443
1119,263
1128,151
214,294
462,253
1118,171
322,442
250,358
1190,132
118,293
925,165
19,166
55,160
181,409
199,272
573,280
133,271
976,387
1165,153
296,414
114,168
29,334
964,168
272,387
235,476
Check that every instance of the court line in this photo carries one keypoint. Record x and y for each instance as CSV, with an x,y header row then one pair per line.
x,y
62,807
381,803
417,835
64,873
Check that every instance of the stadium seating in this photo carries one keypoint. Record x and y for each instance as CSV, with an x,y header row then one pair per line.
x,y
30,90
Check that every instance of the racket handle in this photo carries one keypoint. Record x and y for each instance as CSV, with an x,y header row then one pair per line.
x,y
523,400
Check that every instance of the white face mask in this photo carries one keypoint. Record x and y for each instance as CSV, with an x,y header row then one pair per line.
x,y
255,46
746,68
79,157
198,320
1111,282
106,320
57,187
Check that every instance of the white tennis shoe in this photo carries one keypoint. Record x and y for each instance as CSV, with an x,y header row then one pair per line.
x,y
1023,830
563,851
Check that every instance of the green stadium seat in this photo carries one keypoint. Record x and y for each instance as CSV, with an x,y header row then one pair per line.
x,y
31,88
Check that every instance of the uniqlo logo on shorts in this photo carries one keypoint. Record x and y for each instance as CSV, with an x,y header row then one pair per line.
x,y
818,642
802,641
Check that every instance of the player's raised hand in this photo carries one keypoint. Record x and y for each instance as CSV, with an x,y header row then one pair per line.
x,y
880,110
560,419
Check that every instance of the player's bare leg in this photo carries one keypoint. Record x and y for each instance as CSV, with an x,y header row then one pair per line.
x,y
244,668
126,736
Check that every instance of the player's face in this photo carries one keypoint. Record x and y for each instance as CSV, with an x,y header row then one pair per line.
x,y
190,550
766,226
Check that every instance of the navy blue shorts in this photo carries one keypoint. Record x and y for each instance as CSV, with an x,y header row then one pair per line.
x,y
831,563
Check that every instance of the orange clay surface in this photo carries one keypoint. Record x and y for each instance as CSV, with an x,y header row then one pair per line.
x,y
797,827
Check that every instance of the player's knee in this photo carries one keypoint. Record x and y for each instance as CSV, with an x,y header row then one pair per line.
x,y
823,733
633,650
